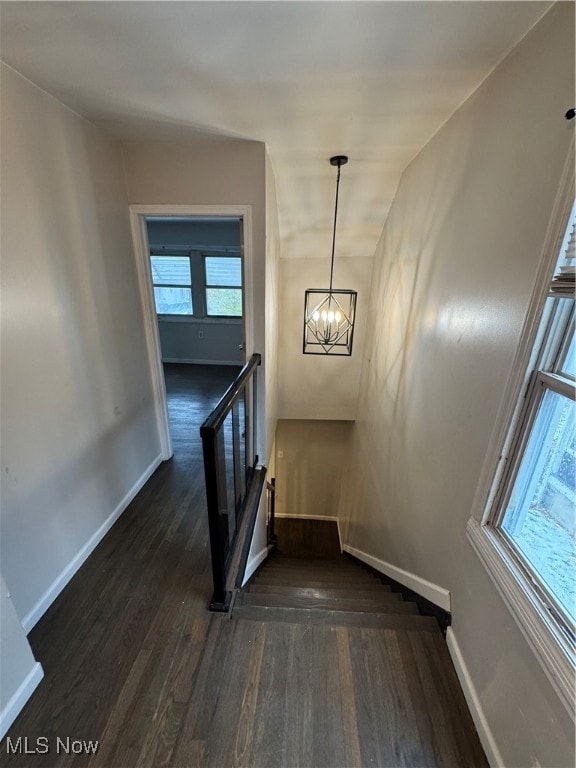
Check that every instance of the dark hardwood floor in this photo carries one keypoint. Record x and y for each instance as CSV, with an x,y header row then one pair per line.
x,y
134,661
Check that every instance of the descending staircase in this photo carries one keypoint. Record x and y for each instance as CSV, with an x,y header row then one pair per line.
x,y
319,663
334,591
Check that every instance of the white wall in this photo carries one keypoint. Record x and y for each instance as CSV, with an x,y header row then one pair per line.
x,y
209,172
78,425
310,457
453,276
220,342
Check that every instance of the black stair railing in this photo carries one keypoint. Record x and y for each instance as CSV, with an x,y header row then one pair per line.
x,y
271,537
230,460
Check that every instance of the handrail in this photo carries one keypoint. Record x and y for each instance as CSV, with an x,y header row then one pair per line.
x,y
214,421
230,460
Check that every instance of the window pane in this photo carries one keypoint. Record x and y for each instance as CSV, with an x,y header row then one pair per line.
x,y
173,301
569,363
224,301
540,517
222,270
170,270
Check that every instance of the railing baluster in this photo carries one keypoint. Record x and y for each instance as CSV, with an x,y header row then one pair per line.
x,y
209,446
271,531
254,419
236,453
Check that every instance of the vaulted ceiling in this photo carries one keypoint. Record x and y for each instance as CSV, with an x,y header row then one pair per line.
x,y
373,80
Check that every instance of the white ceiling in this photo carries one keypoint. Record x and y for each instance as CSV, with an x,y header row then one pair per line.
x,y
373,80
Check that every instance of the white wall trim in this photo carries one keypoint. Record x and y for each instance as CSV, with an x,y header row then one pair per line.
x,y
19,698
151,330
551,648
329,518
473,700
60,582
196,361
437,595
254,562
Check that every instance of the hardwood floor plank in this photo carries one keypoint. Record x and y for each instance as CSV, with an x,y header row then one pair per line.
x,y
115,724
409,749
196,726
273,708
231,726
298,727
460,733
351,752
419,703
328,743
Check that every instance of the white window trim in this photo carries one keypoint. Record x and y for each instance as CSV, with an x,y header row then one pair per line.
x,y
198,284
549,644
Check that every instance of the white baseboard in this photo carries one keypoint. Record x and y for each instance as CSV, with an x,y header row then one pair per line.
x,y
17,701
484,733
195,361
60,582
330,519
437,595
254,562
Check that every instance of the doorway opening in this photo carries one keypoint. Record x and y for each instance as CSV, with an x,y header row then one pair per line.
x,y
194,268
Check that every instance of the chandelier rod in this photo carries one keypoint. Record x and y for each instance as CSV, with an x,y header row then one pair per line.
x,y
338,160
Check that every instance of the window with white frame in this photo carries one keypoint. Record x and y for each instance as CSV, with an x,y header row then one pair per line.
x,y
196,285
223,281
534,510
172,281
527,536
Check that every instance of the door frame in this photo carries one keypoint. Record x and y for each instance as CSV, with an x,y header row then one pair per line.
x,y
138,214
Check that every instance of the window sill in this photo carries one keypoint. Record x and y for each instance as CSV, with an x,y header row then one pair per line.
x,y
552,649
202,320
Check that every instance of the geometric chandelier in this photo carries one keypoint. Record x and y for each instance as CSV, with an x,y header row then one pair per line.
x,y
328,313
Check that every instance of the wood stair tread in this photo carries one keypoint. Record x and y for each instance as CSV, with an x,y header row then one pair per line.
x,y
332,593
320,591
336,618
355,586
376,605
328,594
276,575
332,565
